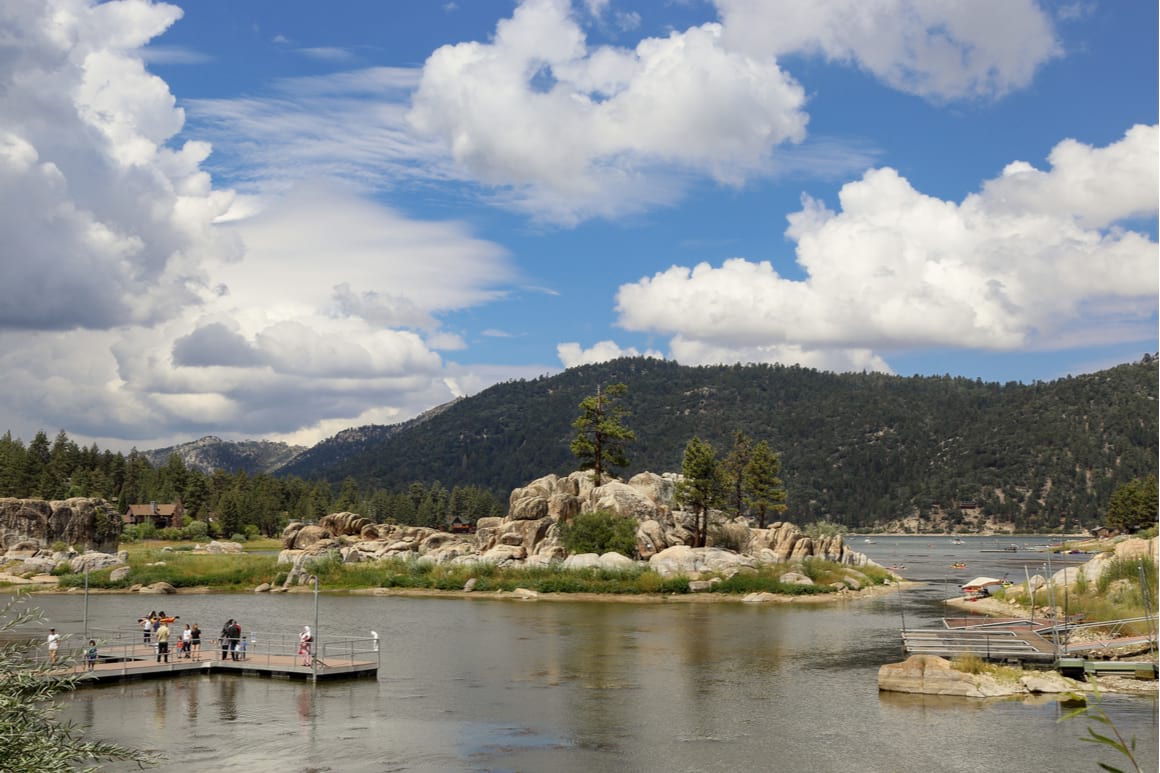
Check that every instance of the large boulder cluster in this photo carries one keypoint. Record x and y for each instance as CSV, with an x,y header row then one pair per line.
x,y
36,524
529,535
38,536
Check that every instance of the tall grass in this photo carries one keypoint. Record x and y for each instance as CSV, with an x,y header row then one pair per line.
x,y
245,572
184,570
1116,595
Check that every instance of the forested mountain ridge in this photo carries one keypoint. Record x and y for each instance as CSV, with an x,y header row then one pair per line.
x,y
855,448
352,442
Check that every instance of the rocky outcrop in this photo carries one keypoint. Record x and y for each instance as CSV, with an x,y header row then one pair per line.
x,y
37,524
218,548
932,675
529,534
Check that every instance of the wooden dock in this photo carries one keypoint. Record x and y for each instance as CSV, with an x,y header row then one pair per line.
x,y
340,659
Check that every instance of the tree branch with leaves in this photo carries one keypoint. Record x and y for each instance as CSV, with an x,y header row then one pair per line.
x,y
31,737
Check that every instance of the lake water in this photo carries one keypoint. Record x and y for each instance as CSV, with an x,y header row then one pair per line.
x,y
489,685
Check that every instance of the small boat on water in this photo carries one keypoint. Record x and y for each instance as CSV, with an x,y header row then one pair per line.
x,y
982,587
958,565
957,541
1004,549
869,541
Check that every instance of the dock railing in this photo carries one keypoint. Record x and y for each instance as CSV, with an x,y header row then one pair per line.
x,y
988,643
256,650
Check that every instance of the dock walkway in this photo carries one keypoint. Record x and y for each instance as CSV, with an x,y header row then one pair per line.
x,y
265,656
1021,639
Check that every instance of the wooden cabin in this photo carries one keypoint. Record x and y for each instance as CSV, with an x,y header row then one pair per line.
x,y
161,515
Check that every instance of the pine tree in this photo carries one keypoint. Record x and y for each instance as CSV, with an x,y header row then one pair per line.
x,y
701,486
765,492
734,469
601,435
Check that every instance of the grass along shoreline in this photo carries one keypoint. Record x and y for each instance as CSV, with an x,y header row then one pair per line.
x,y
188,572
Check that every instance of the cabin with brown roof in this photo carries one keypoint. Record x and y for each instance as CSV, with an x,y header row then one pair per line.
x,y
459,526
161,515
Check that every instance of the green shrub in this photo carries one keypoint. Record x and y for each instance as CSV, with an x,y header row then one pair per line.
x,y
1127,569
235,537
819,529
195,531
599,532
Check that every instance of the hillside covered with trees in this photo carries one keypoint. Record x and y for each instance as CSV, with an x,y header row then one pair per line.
x,y
856,449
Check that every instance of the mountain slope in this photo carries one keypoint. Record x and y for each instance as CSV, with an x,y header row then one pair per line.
x,y
212,453
857,448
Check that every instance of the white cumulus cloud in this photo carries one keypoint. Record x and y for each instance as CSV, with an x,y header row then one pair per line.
x,y
932,48
574,131
103,222
1021,264
572,354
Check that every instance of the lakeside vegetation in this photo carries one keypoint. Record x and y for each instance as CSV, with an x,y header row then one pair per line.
x,y
1125,590
244,572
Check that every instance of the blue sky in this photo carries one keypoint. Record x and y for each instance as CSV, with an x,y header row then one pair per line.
x,y
279,219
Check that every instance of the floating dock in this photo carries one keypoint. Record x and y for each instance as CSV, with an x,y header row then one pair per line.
x,y
349,658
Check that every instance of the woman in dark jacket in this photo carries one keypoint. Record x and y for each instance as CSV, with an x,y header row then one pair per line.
x,y
224,638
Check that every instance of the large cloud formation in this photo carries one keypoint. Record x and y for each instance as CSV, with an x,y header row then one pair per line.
x,y
141,305
567,131
577,131
1035,259
103,223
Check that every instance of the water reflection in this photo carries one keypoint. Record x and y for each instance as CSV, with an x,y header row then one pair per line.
x,y
227,702
489,685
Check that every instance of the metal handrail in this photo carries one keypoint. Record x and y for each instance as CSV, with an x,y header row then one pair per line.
x,y
127,645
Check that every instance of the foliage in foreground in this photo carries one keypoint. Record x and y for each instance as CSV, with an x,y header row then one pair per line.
x,y
1126,748
32,739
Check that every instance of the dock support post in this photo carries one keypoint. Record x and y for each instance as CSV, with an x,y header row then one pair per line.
x,y
317,639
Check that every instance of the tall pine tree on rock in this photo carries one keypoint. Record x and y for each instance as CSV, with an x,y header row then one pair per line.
x,y
601,435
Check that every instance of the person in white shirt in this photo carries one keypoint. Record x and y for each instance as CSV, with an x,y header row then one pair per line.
x,y
53,645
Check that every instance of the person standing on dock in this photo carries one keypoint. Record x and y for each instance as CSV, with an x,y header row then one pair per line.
x,y
224,638
186,641
195,642
146,627
305,639
53,645
163,642
91,655
235,640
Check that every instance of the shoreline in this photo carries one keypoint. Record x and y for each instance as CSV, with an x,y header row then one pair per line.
x,y
49,587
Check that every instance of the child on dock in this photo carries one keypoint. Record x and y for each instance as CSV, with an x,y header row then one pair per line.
x,y
91,655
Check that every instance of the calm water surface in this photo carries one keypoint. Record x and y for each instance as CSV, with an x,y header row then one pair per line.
x,y
471,685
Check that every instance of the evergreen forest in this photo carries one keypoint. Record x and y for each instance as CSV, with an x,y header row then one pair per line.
x,y
855,449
